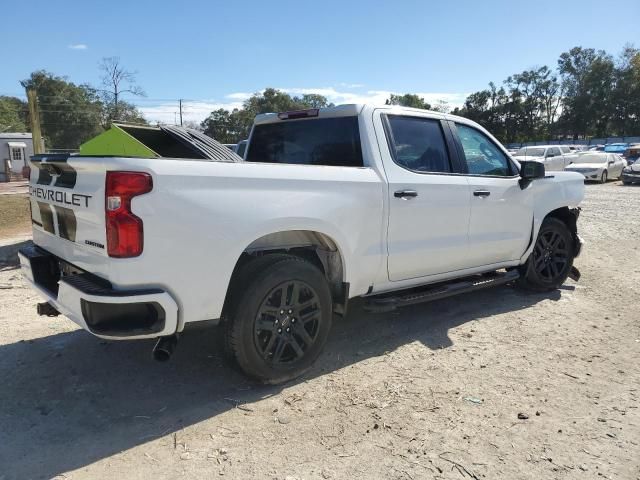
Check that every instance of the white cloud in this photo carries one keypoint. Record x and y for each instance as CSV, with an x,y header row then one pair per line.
x,y
241,96
376,96
191,111
78,46
197,111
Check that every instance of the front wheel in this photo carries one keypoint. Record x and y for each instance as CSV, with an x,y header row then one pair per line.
x,y
550,262
604,177
280,317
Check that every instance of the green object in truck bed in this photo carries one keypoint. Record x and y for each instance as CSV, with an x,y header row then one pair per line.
x,y
166,141
122,141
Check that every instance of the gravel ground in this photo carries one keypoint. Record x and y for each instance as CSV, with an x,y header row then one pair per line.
x,y
431,391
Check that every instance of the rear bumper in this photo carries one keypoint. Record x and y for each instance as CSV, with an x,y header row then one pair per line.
x,y
94,304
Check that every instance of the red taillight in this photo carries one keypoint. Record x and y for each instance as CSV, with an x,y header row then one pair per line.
x,y
124,229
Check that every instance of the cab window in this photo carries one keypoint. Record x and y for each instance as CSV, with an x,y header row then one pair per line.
x,y
418,144
322,141
483,157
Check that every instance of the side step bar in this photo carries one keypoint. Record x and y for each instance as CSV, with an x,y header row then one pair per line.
x,y
387,302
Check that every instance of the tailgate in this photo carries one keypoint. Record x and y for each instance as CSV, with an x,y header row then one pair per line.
x,y
67,207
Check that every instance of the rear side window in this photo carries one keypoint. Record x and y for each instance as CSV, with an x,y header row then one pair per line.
x,y
323,141
418,144
565,149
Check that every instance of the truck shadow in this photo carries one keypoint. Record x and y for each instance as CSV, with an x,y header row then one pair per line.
x,y
69,400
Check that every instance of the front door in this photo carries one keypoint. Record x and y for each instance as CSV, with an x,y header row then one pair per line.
x,y
429,205
17,158
501,212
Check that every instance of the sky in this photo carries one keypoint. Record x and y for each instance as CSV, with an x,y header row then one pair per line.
x,y
215,54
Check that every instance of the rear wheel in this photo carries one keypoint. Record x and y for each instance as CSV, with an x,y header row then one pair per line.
x,y
550,262
604,177
279,318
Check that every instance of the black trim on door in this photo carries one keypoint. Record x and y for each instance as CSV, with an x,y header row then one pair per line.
x,y
456,153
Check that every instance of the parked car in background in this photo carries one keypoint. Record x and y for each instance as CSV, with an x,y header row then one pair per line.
x,y
241,147
618,148
598,166
632,153
631,173
554,157
578,148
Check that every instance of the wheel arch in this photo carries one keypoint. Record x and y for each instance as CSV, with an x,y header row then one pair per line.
x,y
565,214
316,247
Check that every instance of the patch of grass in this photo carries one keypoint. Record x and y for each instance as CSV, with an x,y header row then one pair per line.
x,y
15,216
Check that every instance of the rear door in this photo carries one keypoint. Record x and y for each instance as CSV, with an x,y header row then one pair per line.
x,y
501,212
615,165
429,202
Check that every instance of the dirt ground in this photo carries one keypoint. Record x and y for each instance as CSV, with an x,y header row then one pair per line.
x,y
14,215
432,391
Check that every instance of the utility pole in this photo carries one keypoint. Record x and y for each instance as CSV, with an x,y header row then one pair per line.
x,y
180,112
34,117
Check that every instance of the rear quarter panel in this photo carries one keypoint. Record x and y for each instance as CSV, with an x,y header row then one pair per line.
x,y
202,215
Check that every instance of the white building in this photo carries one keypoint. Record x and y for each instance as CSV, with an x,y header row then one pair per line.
x,y
15,149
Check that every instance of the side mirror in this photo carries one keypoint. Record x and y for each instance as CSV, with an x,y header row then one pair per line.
x,y
530,170
611,162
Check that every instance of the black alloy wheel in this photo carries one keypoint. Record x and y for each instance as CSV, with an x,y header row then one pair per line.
x,y
551,255
287,323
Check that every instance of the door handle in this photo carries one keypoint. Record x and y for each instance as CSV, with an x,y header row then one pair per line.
x,y
405,194
481,193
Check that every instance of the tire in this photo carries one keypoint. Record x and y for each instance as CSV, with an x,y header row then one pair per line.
x,y
604,177
550,262
279,317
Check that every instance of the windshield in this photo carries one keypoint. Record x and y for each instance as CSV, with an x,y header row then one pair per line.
x,y
530,152
591,158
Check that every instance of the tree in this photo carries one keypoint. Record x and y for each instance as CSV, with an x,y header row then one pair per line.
x,y
13,115
408,100
231,127
126,113
313,100
626,92
225,126
587,79
70,114
117,81
440,106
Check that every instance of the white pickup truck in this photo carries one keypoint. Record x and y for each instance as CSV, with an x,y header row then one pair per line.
x,y
554,157
394,204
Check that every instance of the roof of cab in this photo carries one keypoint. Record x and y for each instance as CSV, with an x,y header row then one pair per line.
x,y
351,109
